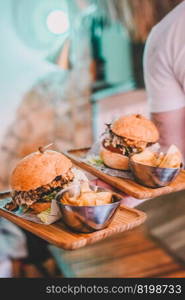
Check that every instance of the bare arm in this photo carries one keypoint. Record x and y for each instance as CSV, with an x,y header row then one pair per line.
x,y
171,126
164,85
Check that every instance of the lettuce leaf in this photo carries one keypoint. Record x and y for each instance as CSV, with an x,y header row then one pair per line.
x,y
43,216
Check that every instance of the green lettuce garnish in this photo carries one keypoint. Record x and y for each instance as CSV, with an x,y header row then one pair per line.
x,y
43,216
49,197
95,160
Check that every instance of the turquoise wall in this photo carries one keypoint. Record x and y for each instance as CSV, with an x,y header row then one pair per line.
x,y
116,49
20,65
23,54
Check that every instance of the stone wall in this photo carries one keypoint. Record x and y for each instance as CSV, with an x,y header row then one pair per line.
x,y
49,113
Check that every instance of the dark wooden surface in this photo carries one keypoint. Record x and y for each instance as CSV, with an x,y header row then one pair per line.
x,y
130,254
155,249
128,186
166,222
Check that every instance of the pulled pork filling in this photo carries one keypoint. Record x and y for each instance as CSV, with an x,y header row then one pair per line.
x,y
44,193
122,145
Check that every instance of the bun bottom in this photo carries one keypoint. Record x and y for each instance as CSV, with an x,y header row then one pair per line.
x,y
114,160
39,207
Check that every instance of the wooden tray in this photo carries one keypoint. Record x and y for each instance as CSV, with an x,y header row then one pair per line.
x,y
128,186
59,235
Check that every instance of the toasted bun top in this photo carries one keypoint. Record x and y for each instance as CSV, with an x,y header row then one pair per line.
x,y
136,127
38,169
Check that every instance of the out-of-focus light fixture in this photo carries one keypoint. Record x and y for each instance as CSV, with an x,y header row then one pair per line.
x,y
57,22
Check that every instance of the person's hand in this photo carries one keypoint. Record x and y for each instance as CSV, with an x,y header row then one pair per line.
x,y
126,199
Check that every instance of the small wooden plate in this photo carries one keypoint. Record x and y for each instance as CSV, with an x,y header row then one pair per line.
x,y
59,235
127,186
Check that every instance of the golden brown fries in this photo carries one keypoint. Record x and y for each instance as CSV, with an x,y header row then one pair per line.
x,y
171,159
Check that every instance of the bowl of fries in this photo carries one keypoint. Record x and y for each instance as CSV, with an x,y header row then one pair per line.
x,y
87,208
156,169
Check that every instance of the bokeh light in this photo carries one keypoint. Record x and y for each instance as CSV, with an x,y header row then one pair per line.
x,y
57,22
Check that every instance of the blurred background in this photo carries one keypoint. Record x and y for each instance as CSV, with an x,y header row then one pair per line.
x,y
69,64
66,68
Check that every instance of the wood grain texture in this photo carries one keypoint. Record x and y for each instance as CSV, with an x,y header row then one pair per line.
x,y
130,254
59,235
127,186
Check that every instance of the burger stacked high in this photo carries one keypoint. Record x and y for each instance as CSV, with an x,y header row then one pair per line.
x,y
127,135
38,177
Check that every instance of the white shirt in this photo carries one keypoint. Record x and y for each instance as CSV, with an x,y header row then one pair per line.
x,y
164,62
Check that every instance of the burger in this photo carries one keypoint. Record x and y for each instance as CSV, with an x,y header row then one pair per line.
x,y
38,177
126,136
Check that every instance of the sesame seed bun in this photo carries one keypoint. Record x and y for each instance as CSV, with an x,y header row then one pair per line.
x,y
38,169
136,127
114,160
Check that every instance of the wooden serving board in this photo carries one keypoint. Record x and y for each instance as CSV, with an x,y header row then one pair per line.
x,y
127,186
59,235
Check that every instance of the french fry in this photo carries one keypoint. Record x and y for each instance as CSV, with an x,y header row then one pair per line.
x,y
146,157
159,159
172,159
